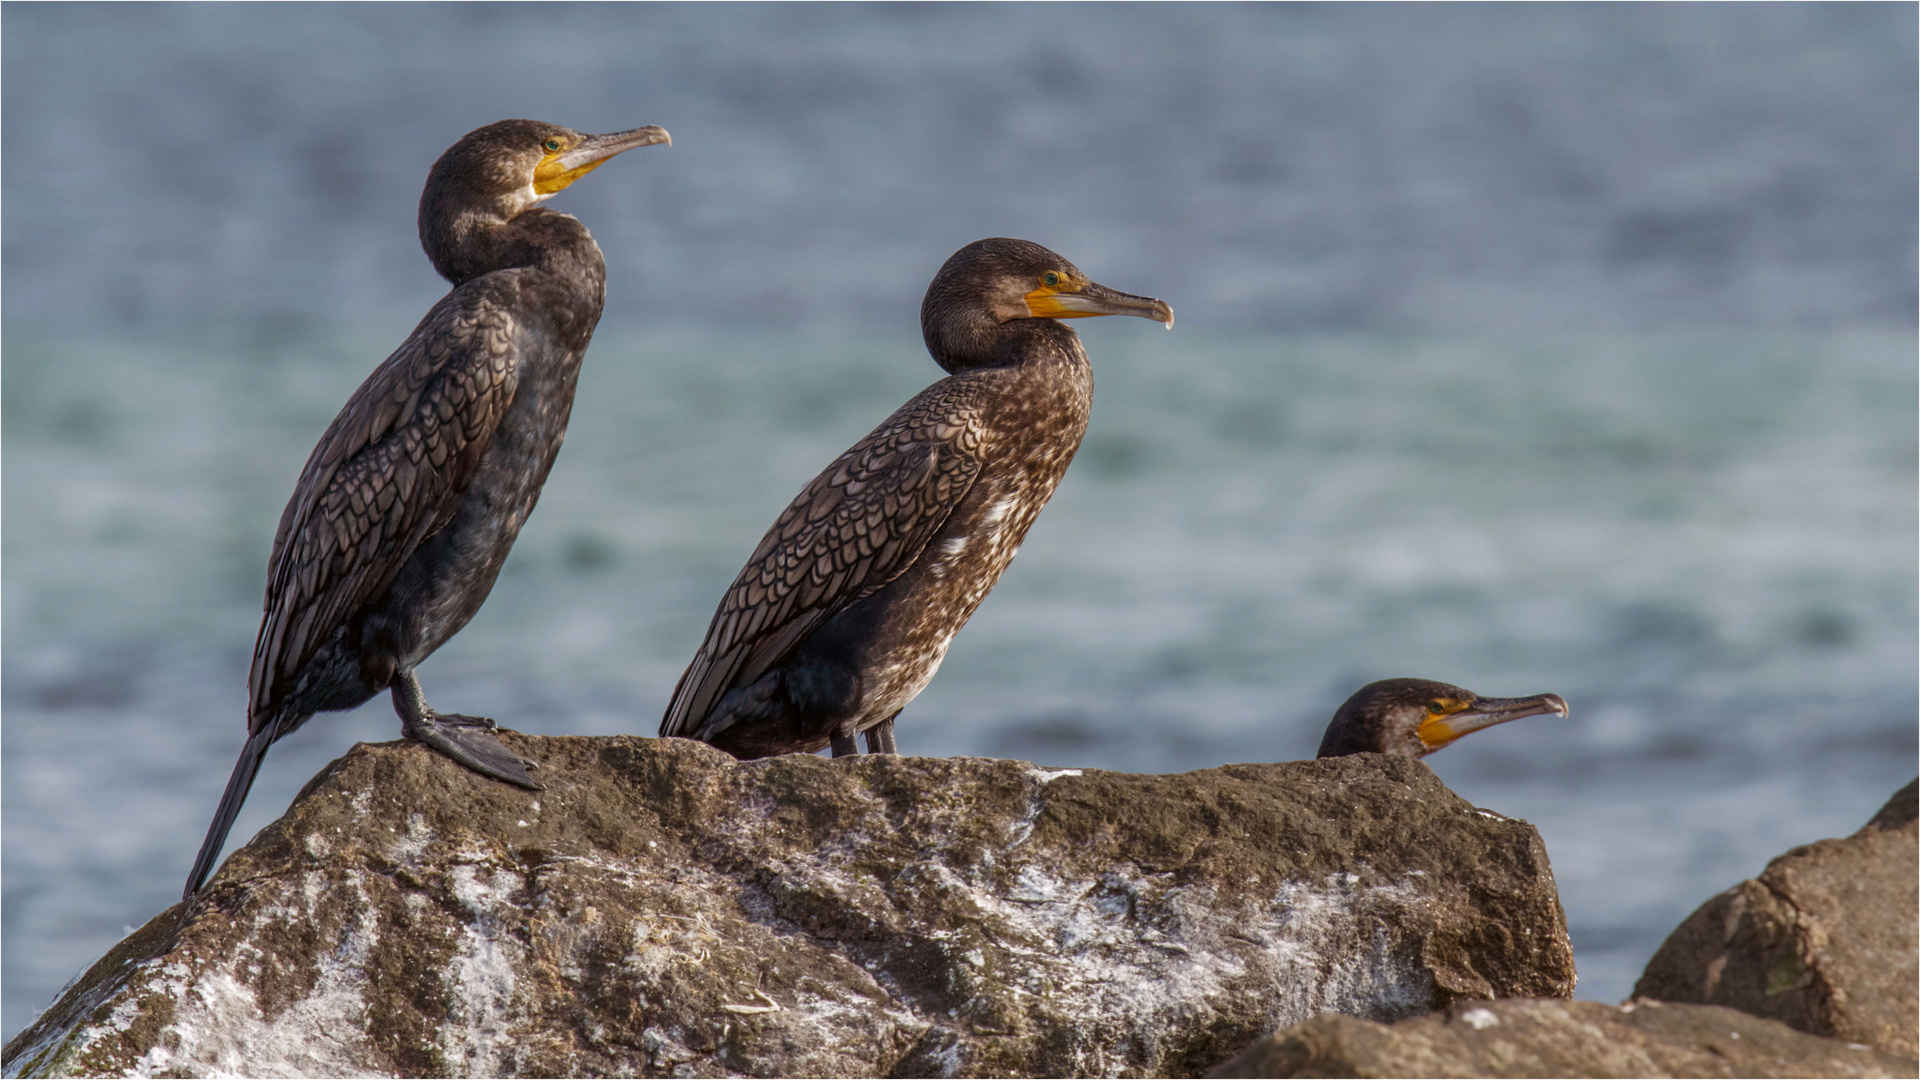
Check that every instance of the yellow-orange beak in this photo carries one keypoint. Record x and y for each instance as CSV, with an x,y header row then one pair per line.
x,y
563,167
1437,731
1068,302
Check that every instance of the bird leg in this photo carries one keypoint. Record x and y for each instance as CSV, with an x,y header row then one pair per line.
x,y
880,737
466,739
843,745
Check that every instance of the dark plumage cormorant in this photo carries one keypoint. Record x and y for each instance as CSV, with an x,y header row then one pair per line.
x,y
846,608
407,507
1415,717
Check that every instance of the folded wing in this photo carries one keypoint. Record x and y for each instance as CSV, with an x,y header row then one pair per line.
x,y
386,475
861,523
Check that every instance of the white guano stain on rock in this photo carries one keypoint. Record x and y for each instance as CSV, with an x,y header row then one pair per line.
x,y
151,977
408,849
478,1036
1086,936
219,1029
1023,826
1482,1019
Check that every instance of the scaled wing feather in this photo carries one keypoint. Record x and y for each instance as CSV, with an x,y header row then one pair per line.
x,y
861,523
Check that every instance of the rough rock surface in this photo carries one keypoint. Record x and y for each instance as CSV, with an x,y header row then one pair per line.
x,y
664,909
1826,940
1561,1038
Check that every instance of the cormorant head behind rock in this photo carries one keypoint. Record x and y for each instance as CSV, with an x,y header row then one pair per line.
x,y
1415,717
972,315
498,172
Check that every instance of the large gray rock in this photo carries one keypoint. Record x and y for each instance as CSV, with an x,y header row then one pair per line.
x,y
1561,1038
664,909
1827,939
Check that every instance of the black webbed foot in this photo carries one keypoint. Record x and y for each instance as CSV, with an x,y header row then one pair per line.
x,y
466,739
483,723
476,748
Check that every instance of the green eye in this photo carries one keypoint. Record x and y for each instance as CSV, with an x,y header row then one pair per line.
x,y
1436,707
1049,278
553,144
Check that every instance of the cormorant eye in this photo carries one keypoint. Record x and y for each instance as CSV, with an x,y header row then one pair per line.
x,y
1436,707
553,144
1049,278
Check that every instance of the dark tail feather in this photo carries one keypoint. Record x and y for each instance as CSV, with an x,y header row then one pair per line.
x,y
237,786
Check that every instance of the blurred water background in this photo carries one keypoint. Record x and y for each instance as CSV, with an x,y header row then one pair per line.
x,y
1528,347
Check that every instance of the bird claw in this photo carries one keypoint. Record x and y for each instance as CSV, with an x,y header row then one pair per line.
x,y
473,745
457,720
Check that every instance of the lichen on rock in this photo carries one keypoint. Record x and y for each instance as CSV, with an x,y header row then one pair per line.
x,y
663,909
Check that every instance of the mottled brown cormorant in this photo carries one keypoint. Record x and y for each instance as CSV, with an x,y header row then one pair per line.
x,y
408,506
845,610
1415,717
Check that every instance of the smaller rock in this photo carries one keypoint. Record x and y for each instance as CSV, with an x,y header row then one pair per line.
x,y
1826,940
1520,1037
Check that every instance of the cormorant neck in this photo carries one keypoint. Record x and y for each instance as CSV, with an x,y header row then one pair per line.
x,y
963,344
468,242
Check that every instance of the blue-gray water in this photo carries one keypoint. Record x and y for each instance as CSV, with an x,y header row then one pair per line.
x,y
1543,348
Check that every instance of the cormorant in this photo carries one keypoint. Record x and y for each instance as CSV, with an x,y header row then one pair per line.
x,y
845,610
1415,717
409,504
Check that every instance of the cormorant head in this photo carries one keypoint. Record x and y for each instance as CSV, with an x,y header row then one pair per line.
x,y
990,283
500,171
1415,717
